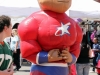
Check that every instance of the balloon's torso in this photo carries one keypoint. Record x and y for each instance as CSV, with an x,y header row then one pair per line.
x,y
54,30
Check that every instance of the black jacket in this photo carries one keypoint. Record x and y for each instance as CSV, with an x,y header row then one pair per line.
x,y
84,53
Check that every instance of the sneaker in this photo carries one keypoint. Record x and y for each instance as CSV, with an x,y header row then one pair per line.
x,y
17,69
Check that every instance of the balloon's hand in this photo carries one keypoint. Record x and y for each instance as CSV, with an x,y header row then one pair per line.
x,y
54,55
66,55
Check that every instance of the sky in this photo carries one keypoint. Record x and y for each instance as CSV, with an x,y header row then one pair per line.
x,y
77,5
86,5
19,3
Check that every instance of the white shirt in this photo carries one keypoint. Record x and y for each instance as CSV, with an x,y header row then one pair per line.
x,y
7,40
13,42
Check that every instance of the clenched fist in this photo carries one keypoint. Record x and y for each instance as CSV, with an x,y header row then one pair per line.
x,y
54,55
66,55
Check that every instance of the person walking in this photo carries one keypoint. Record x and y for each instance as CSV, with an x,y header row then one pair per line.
x,y
82,64
15,46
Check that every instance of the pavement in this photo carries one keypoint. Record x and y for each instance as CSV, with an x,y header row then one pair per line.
x,y
25,69
92,73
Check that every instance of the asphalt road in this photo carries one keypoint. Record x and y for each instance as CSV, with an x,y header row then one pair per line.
x,y
25,69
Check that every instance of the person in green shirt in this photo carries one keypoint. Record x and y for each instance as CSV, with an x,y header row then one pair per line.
x,y
6,59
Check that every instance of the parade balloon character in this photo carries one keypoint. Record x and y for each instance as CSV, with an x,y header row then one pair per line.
x,y
97,1
50,39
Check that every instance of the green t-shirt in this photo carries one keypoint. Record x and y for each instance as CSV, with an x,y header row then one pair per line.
x,y
5,56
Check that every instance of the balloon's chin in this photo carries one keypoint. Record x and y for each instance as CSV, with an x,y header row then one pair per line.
x,y
63,1
97,1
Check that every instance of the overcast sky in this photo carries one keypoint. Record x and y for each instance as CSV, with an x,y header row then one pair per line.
x,y
86,5
19,3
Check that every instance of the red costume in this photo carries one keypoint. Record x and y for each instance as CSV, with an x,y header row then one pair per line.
x,y
46,30
50,39
73,70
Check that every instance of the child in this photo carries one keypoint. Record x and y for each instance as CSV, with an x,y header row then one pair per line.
x,y
95,49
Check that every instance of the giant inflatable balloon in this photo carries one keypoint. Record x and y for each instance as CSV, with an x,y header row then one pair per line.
x,y
50,39
97,1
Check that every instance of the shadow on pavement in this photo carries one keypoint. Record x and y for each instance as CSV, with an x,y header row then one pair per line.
x,y
24,71
26,64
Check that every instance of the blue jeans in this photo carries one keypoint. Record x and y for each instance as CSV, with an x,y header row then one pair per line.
x,y
82,69
95,61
